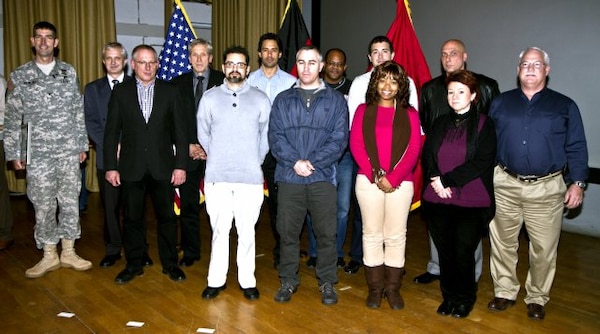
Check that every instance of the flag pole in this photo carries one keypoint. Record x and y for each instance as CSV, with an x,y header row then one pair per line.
x,y
285,12
408,11
187,18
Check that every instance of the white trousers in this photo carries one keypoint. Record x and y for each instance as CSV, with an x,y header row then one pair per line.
x,y
224,203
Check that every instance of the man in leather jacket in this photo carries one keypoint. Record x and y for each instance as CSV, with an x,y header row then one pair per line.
x,y
433,94
433,104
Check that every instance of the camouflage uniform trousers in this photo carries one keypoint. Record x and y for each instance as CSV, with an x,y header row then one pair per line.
x,y
6,218
52,181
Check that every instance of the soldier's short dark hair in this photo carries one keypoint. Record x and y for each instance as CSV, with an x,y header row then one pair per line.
x,y
45,25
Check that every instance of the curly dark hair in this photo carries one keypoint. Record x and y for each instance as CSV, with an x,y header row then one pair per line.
x,y
393,69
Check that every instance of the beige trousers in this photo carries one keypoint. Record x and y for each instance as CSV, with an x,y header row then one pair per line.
x,y
539,205
384,217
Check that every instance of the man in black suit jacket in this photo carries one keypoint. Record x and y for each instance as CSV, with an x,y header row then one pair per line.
x,y
144,117
191,87
96,97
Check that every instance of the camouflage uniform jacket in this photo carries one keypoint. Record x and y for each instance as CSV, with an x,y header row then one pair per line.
x,y
53,105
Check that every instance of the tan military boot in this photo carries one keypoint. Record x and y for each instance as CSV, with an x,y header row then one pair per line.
x,y
70,259
48,263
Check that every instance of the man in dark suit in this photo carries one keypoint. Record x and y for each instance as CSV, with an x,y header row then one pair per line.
x,y
97,95
191,86
144,117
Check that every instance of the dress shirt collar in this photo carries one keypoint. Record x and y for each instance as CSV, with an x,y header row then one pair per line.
x,y
119,78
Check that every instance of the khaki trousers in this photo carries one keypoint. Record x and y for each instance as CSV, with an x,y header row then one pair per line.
x,y
540,206
384,222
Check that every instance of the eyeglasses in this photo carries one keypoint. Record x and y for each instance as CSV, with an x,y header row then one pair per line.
x,y
146,63
536,64
231,64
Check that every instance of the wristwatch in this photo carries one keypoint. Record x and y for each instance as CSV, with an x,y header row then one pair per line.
x,y
580,184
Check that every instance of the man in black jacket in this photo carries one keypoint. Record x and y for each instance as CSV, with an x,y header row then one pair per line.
x,y
191,86
145,121
433,104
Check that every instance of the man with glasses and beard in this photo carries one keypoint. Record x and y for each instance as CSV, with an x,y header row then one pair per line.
x,y
232,127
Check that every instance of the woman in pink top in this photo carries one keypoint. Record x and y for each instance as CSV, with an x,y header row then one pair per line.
x,y
385,141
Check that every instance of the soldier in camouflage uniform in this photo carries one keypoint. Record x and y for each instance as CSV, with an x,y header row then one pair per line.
x,y
46,96
6,219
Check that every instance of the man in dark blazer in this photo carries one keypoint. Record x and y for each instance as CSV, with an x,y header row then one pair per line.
x,y
96,97
191,86
144,117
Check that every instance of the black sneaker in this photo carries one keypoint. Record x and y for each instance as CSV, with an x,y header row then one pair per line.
x,y
328,294
352,267
285,293
426,278
340,262
312,262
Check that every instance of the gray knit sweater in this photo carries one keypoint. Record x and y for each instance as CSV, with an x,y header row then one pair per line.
x,y
232,129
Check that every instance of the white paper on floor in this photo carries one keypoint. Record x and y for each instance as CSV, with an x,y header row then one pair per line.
x,y
66,315
135,324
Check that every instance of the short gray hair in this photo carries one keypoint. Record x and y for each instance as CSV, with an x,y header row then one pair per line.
x,y
201,41
535,48
309,48
114,45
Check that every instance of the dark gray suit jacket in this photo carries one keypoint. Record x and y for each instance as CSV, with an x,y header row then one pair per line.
x,y
96,97
185,85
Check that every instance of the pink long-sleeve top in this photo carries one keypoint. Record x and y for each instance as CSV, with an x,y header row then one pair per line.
x,y
403,171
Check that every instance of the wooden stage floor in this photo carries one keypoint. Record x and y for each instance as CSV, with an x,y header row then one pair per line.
x,y
101,306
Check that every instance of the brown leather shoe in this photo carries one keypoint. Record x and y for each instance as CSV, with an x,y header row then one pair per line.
x,y
4,244
536,311
500,304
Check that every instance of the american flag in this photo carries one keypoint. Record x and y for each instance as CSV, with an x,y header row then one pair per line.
x,y
174,55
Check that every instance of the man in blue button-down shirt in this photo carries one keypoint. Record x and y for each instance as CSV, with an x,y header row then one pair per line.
x,y
542,167
272,80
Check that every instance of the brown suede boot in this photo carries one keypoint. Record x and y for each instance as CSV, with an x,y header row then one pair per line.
x,y
393,283
375,281
48,263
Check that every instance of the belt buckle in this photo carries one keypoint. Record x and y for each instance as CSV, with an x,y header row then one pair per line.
x,y
528,179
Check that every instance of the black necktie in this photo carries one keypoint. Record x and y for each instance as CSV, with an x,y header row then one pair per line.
x,y
114,82
199,89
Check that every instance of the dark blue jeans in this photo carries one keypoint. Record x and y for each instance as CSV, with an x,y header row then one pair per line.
x,y
345,177
294,202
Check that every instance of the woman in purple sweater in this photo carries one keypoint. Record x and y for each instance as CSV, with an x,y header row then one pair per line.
x,y
458,201
385,141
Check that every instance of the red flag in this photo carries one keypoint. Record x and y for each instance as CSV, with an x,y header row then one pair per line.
x,y
408,53
407,49
293,35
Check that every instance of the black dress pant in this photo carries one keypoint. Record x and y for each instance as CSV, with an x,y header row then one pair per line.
x,y
111,201
134,226
456,232
190,212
